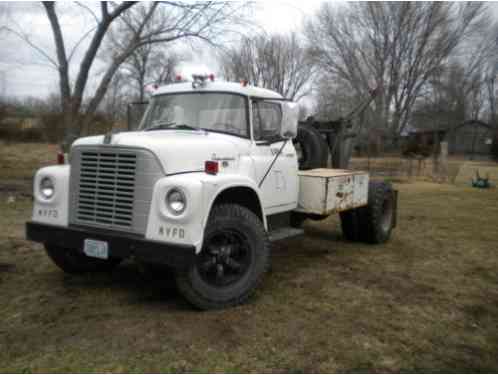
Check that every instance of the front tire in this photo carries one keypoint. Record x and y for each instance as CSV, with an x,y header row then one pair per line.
x,y
233,260
73,262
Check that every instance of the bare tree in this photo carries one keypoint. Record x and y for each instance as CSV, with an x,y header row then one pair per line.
x,y
492,88
154,23
4,12
460,89
114,103
3,21
275,62
146,65
446,99
333,98
155,60
491,78
164,66
395,46
149,64
72,97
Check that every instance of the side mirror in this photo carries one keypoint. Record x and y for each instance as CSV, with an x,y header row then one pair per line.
x,y
290,117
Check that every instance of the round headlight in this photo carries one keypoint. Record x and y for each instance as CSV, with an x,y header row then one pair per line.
x,y
47,188
176,201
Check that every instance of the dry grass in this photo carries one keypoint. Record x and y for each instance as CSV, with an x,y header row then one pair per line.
x,y
468,172
19,161
425,302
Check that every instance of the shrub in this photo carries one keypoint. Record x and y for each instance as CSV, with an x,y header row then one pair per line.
x,y
53,126
15,132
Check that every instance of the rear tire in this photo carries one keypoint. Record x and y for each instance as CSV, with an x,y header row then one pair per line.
x,y
311,147
73,262
232,263
378,220
351,224
374,222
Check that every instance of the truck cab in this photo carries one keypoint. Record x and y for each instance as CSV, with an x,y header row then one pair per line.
x,y
199,187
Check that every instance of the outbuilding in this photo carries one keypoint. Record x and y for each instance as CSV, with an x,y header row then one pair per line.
x,y
472,138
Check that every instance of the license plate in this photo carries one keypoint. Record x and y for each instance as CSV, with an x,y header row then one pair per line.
x,y
96,249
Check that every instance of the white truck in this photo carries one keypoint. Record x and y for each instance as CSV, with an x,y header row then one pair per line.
x,y
207,182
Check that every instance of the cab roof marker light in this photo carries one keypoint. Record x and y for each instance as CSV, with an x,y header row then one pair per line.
x,y
60,158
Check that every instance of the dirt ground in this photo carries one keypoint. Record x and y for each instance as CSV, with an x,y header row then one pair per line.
x,y
425,302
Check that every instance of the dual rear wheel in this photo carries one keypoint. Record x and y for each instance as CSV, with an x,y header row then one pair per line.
x,y
374,222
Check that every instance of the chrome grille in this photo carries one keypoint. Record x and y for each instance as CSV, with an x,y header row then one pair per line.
x,y
107,185
111,187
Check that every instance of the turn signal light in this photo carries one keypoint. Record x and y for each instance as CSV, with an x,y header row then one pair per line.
x,y
211,167
60,157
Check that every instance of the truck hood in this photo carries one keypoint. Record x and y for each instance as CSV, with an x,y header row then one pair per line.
x,y
178,150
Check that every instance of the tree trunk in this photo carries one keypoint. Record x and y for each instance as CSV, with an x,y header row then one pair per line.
x,y
71,100
71,123
141,88
102,89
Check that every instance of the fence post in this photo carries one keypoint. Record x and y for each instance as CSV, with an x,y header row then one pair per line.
x,y
410,167
443,161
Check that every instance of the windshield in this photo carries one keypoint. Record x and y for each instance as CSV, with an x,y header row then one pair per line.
x,y
226,113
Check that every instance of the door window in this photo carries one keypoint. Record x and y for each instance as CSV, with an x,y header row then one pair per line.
x,y
267,118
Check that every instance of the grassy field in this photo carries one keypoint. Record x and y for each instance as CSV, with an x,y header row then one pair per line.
x,y
425,302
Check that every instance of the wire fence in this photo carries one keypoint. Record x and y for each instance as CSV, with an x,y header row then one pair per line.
x,y
390,160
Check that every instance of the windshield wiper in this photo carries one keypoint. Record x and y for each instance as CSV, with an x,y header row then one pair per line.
x,y
171,125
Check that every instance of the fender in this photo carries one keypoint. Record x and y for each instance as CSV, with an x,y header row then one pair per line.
x,y
54,210
220,183
201,191
183,229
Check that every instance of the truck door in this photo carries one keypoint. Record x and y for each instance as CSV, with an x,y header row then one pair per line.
x,y
279,189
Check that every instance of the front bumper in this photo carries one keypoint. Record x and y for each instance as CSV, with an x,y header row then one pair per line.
x,y
121,245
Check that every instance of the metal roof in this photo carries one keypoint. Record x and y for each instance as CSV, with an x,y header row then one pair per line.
x,y
222,86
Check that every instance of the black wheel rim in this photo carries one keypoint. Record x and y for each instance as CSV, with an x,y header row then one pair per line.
x,y
225,258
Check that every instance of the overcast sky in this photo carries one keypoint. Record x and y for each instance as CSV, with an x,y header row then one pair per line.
x,y
25,72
